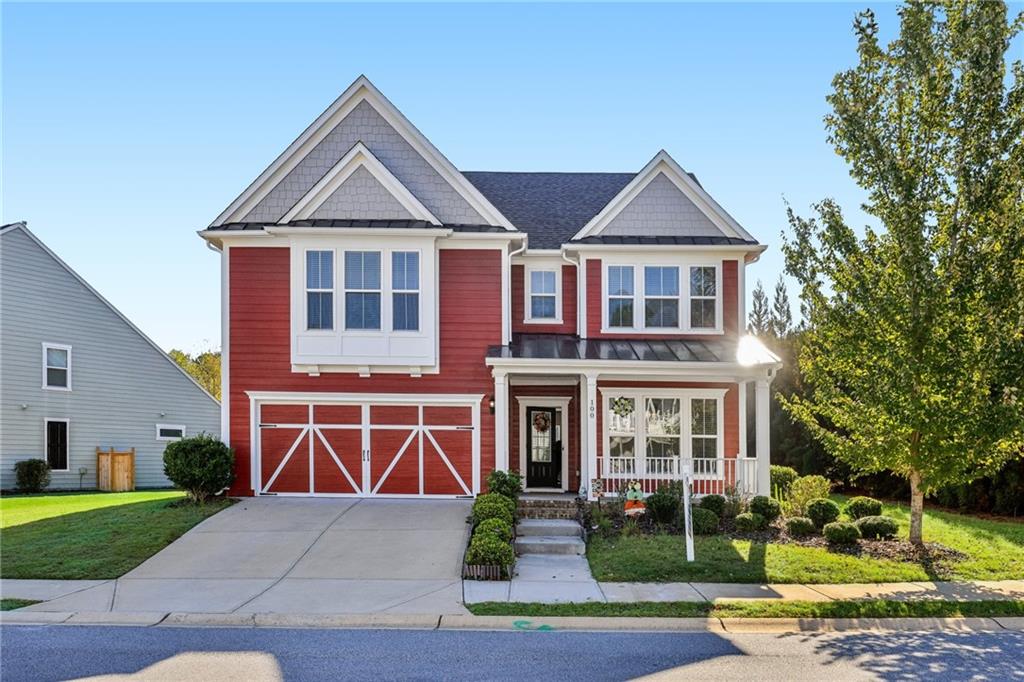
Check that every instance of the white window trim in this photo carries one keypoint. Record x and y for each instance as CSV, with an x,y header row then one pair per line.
x,y
392,290
56,346
46,441
528,288
306,290
640,435
639,326
167,439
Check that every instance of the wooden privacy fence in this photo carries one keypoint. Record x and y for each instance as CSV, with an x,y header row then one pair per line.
x,y
115,469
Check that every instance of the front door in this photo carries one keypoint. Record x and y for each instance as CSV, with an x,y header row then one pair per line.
x,y
543,448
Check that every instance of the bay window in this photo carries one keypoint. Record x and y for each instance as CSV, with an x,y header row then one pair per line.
x,y
362,289
319,290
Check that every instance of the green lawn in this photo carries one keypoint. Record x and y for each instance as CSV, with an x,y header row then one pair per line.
x,y
11,604
91,535
995,551
759,609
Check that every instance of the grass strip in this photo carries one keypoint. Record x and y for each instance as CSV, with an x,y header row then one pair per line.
x,y
760,609
11,604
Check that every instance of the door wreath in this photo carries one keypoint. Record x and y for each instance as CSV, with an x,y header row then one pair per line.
x,y
541,422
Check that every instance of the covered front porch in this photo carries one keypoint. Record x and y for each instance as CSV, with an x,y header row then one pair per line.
x,y
589,415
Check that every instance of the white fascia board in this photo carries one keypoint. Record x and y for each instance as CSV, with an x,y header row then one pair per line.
x,y
24,228
361,90
662,248
662,163
285,231
280,397
357,157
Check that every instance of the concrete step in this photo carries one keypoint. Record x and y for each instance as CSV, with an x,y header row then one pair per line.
x,y
549,527
550,544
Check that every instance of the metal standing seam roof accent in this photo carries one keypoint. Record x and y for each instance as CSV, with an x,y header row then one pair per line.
x,y
570,347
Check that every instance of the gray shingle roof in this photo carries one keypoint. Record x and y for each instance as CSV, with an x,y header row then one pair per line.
x,y
570,347
550,207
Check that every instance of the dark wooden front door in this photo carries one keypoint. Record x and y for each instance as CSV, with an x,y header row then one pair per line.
x,y
543,448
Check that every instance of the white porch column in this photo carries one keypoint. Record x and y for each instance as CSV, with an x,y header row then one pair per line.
x,y
590,406
762,435
500,420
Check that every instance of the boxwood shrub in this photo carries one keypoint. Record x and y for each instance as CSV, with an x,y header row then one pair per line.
x,y
781,478
841,532
499,528
662,506
507,483
800,526
200,465
748,522
486,549
715,503
705,521
859,507
766,506
31,475
822,511
877,527
493,506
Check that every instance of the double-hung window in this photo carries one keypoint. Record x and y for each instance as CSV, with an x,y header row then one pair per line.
x,y
704,435
56,367
405,290
662,428
362,290
620,296
622,436
703,295
320,290
661,296
543,295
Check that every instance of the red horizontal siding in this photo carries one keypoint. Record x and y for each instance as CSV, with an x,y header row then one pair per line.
x,y
519,303
260,351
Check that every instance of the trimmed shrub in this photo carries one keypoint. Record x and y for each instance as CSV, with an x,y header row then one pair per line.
x,y
32,475
507,483
805,489
201,465
859,507
781,479
486,549
748,522
705,521
715,503
822,511
492,506
496,527
841,533
800,526
877,527
663,507
767,507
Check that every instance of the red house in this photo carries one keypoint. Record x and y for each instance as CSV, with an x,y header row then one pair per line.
x,y
393,326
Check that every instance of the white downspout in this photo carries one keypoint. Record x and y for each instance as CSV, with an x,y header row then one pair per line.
x,y
579,291
506,292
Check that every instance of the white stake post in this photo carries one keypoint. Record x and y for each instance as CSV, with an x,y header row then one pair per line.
x,y
688,519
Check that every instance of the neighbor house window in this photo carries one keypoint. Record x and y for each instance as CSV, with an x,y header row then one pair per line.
x,y
57,443
703,295
405,290
661,296
362,290
704,434
543,294
620,296
320,290
167,432
57,367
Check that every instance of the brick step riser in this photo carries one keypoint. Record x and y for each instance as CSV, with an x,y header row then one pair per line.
x,y
547,514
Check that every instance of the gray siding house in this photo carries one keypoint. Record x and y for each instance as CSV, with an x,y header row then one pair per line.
x,y
75,375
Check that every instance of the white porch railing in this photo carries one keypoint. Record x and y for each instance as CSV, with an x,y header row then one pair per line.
x,y
710,476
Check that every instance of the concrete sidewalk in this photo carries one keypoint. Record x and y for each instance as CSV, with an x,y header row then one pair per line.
x,y
554,591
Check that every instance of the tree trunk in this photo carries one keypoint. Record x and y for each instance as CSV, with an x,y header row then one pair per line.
x,y
916,507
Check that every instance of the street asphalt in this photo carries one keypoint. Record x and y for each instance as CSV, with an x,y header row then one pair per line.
x,y
173,653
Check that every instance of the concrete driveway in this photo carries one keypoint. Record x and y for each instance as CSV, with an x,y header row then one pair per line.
x,y
291,555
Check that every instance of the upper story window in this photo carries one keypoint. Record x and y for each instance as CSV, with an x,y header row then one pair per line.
x,y
620,296
663,297
319,290
56,367
405,290
703,297
362,289
543,295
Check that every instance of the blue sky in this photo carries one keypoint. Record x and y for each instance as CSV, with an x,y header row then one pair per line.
x,y
126,128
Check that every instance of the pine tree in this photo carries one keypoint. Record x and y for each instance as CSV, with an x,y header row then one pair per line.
x,y
759,321
782,315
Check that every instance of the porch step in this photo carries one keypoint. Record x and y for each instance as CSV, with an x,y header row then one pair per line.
x,y
550,544
549,528
547,507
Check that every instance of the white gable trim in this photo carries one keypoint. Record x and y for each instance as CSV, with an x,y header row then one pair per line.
x,y
24,228
357,157
663,164
361,90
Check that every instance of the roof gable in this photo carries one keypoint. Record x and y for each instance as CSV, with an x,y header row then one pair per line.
x,y
306,159
358,180
680,206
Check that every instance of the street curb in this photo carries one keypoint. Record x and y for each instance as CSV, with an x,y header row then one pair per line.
x,y
358,620
1011,622
139,618
544,624
34,617
209,619
804,625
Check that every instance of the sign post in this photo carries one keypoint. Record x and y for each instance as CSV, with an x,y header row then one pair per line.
x,y
688,519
